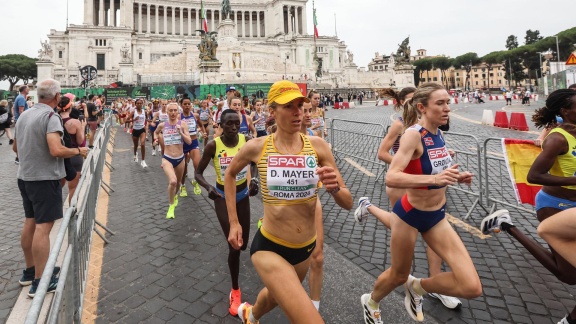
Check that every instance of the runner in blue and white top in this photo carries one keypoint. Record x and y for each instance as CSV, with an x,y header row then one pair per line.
x,y
191,151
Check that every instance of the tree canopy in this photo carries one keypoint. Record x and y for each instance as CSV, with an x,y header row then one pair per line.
x,y
16,67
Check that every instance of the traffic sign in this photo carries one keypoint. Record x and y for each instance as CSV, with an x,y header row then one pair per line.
x,y
571,60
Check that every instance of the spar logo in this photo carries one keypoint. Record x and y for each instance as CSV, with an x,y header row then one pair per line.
x,y
438,153
285,161
226,160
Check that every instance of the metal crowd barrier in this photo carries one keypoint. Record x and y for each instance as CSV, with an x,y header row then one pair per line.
x,y
78,223
499,188
467,151
358,140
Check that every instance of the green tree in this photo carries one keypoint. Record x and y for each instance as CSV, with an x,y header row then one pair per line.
x,y
422,65
511,42
443,63
532,36
466,61
16,67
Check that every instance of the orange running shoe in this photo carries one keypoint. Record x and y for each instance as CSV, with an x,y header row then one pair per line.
x,y
235,301
244,312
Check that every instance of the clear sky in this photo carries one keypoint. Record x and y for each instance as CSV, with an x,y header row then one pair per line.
x,y
450,27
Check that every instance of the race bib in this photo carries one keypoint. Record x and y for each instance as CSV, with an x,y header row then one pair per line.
x,y
225,162
191,126
171,136
292,177
440,159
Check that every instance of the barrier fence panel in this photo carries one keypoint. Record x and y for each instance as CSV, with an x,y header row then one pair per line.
x,y
497,183
78,224
467,154
357,142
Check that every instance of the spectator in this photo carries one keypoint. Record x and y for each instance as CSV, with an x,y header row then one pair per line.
x,y
20,105
38,140
93,118
6,120
508,98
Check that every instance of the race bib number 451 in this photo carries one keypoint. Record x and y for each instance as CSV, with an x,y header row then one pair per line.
x,y
292,177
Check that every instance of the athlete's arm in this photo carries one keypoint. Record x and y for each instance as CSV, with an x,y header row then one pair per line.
x,y
388,141
251,127
329,174
248,153
183,130
553,146
397,178
157,132
200,125
131,118
208,154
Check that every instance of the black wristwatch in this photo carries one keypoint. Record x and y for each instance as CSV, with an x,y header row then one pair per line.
x,y
78,152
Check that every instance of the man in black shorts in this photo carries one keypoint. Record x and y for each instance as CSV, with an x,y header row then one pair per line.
x,y
38,143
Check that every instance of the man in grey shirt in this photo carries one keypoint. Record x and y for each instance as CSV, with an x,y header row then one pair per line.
x,y
38,143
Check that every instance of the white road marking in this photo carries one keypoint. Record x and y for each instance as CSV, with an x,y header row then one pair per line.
x,y
467,227
359,167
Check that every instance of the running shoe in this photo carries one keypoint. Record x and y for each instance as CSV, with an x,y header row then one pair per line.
x,y
16,161
361,213
448,301
413,301
260,222
159,148
153,152
235,301
175,201
170,213
197,190
28,275
143,164
371,316
51,286
564,320
183,192
493,222
244,312
11,141
136,158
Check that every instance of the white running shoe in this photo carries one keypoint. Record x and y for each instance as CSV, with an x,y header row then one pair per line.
x,y
159,149
493,222
136,158
371,316
143,164
153,152
448,301
361,213
564,320
413,301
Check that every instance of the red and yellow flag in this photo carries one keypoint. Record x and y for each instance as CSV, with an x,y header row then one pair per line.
x,y
520,155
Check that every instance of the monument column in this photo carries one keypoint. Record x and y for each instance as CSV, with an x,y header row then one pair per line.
x,y
290,26
235,23
197,21
89,12
156,26
258,24
212,20
101,13
189,21
304,26
139,18
148,18
243,23
296,20
165,31
173,12
112,21
181,21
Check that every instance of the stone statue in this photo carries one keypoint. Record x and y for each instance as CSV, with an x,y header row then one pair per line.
x,y
226,8
319,69
45,53
125,53
350,57
208,45
236,59
403,53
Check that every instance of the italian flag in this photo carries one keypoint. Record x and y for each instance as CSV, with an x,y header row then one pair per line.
x,y
203,17
315,25
520,155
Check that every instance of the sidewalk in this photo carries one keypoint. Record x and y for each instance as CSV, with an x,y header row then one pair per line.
x,y
157,270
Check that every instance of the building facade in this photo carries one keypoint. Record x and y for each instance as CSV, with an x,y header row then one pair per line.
x,y
155,41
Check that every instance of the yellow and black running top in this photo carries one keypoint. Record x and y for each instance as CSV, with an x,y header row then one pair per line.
x,y
224,156
565,164
288,179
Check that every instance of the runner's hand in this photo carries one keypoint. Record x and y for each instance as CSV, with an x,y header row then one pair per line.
x,y
83,151
447,177
235,236
213,194
465,177
328,177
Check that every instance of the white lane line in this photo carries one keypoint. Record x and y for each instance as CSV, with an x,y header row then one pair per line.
x,y
467,227
359,167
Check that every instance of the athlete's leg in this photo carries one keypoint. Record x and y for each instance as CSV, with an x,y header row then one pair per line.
x,y
551,261
463,281
558,231
135,145
284,288
402,245
143,145
195,157
315,278
434,262
172,179
186,160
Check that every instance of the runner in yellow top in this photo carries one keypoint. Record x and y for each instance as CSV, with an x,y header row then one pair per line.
x,y
222,151
290,166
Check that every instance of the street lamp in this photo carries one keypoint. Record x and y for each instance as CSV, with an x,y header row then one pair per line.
x,y
285,61
467,68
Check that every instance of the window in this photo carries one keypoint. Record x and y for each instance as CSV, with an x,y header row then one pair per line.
x,y
59,54
475,75
101,62
140,55
491,74
457,74
491,81
476,82
435,79
457,79
475,70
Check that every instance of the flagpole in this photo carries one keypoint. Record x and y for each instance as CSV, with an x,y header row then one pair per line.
x,y
315,47
335,30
